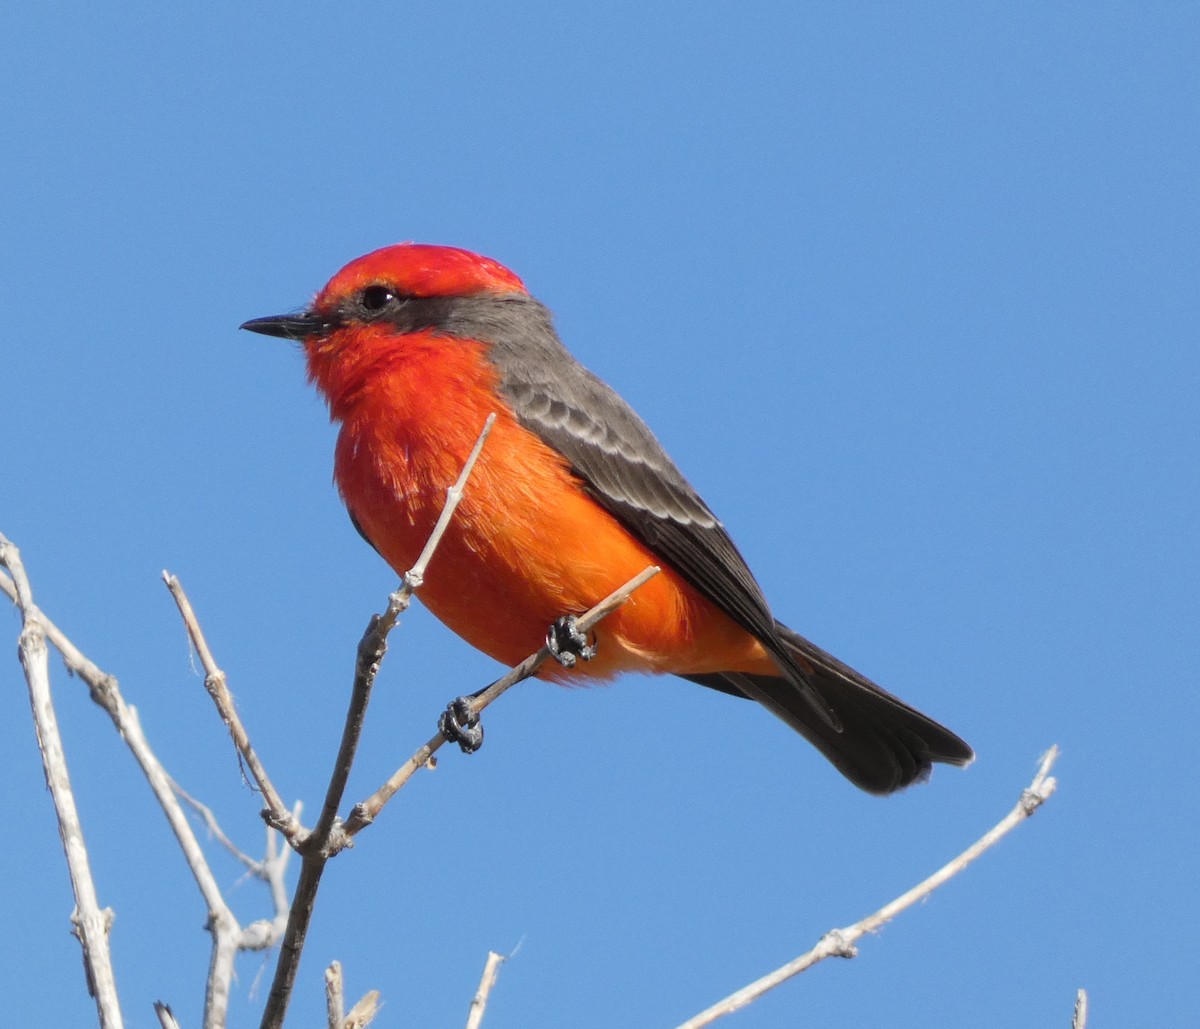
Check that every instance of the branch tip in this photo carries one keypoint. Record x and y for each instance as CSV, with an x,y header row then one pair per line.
x,y
841,942
1079,1018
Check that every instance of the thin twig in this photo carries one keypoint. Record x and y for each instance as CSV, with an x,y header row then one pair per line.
x,y
335,996
166,1017
1079,1019
215,831
415,576
328,837
365,812
91,924
840,942
374,643
215,681
491,971
98,682
272,870
363,1013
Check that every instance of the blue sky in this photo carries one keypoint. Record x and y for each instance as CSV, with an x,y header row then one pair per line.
x,y
909,291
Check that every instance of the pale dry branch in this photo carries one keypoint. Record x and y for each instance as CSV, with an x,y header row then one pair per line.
x,y
415,576
90,924
215,681
840,942
166,1017
228,936
363,1013
272,870
365,812
373,645
1079,1019
335,996
491,971
98,682
215,831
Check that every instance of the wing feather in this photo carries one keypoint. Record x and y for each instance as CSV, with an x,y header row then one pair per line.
x,y
626,469
629,472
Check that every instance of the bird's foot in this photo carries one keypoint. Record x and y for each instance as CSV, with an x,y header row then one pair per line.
x,y
566,642
460,724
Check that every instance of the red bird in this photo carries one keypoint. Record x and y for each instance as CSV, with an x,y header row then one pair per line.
x,y
414,346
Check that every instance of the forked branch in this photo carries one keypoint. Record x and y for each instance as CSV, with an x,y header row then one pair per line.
x,y
228,936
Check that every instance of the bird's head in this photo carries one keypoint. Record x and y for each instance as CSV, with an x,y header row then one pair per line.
x,y
388,286
390,307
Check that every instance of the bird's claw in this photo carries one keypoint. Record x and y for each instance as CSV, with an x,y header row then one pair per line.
x,y
460,724
566,642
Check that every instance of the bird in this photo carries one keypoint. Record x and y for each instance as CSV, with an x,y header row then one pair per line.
x,y
413,346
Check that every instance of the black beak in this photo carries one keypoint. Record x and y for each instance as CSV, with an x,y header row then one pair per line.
x,y
288,326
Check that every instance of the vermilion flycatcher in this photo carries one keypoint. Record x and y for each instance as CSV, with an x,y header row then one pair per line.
x,y
414,346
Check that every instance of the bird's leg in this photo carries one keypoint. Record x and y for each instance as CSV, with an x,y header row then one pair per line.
x,y
460,724
566,642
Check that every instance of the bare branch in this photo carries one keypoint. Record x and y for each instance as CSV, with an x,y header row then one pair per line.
x,y
166,1017
228,936
328,837
1079,1019
840,942
365,812
272,870
276,813
78,664
374,642
363,1013
215,831
335,997
415,576
91,924
491,971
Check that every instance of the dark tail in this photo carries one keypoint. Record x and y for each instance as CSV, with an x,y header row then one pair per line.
x,y
883,744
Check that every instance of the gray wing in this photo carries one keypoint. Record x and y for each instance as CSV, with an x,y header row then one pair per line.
x,y
627,470
629,473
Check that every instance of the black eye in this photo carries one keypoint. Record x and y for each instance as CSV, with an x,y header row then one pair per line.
x,y
376,298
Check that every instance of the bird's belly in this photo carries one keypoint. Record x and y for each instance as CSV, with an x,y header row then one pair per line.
x,y
527,545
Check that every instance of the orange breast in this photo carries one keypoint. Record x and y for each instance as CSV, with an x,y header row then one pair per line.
x,y
526,544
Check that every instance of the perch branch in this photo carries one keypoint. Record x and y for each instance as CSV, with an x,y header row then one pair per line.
x,y
364,813
840,942
328,836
